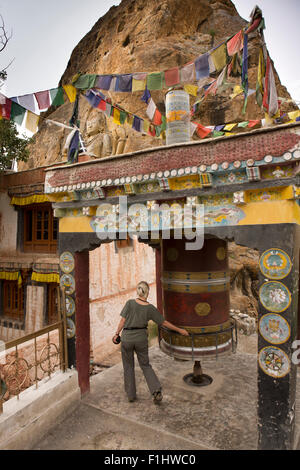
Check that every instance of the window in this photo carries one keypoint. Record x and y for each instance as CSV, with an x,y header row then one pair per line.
x,y
13,300
40,229
52,303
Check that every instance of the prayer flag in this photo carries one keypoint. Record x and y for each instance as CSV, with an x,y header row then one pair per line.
x,y
157,118
219,57
235,44
71,92
93,99
202,66
273,98
172,77
129,119
43,99
6,108
202,131
229,127
146,96
123,116
17,113
253,123
85,82
191,89
137,123
294,114
146,126
116,116
151,109
32,121
102,105
260,76
124,83
154,81
103,82
27,101
188,73
57,96
139,82
245,72
243,124
74,148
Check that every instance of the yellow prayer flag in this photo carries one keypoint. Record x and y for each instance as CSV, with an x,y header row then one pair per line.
x,y
129,119
116,116
294,114
237,90
146,126
32,121
191,89
219,57
138,85
229,127
71,92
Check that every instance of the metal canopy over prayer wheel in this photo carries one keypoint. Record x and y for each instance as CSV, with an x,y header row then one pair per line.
x,y
195,287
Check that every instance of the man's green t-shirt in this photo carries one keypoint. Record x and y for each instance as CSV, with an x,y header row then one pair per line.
x,y
138,315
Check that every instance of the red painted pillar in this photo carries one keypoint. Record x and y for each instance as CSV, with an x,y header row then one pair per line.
x,y
82,320
159,300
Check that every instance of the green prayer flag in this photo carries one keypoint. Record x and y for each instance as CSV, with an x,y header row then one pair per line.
x,y
154,81
164,123
17,113
57,96
123,116
85,82
217,133
243,124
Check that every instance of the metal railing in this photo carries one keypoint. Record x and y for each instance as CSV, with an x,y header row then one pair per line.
x,y
27,360
232,328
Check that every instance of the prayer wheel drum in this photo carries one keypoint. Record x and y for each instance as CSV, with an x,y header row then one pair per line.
x,y
195,287
178,117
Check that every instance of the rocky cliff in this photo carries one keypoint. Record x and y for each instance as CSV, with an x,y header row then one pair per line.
x,y
139,36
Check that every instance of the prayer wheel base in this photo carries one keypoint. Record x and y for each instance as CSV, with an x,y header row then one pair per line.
x,y
187,354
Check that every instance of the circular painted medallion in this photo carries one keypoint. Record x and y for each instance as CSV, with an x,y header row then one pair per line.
x,y
202,309
66,262
70,306
70,328
274,328
275,296
274,362
68,282
275,264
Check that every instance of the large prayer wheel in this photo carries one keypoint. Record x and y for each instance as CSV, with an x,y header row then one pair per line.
x,y
195,287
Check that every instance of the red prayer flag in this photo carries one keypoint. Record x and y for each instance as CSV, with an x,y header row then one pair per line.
x,y
253,123
157,118
267,85
202,131
43,99
152,130
102,105
235,44
5,109
172,76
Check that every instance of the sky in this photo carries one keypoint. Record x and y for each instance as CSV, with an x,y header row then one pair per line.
x,y
45,34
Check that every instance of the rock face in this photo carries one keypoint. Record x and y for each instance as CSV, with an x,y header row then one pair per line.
x,y
243,265
140,36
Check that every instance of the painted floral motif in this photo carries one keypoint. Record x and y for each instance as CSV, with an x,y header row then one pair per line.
x,y
275,296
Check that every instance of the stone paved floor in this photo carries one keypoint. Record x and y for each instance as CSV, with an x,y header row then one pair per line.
x,y
220,416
